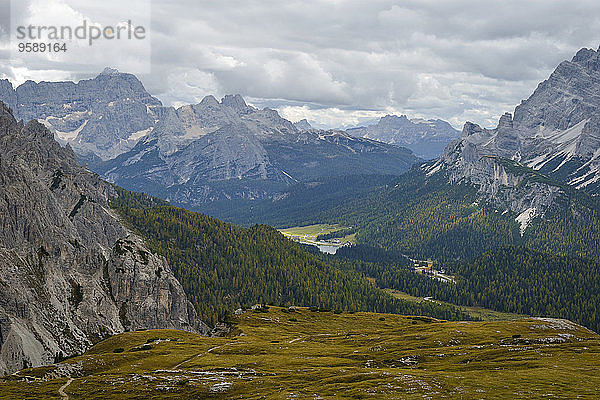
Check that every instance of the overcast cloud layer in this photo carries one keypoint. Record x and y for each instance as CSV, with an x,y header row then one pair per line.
x,y
342,62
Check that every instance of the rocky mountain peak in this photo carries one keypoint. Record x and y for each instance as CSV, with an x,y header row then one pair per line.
x,y
470,129
7,120
99,117
110,71
7,93
588,58
567,97
303,125
235,101
37,130
556,131
506,121
210,100
426,139
394,119
5,111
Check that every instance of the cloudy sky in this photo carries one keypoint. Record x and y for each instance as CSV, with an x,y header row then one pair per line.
x,y
334,62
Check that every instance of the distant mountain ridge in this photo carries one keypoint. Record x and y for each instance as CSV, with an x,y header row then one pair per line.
x,y
426,138
227,150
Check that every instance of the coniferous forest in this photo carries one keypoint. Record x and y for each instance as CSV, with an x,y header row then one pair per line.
x,y
547,270
511,279
223,267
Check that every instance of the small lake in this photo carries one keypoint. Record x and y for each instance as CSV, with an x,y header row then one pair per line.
x,y
327,248
323,247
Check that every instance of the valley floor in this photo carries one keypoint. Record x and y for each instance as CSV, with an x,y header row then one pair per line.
x,y
307,354
309,235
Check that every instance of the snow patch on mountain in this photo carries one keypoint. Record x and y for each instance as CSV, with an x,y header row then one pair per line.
x,y
430,170
524,219
135,136
569,134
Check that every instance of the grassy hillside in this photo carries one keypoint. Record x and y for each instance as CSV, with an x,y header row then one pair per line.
x,y
304,354
479,313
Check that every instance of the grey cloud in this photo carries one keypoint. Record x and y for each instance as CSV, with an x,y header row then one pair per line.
x,y
457,60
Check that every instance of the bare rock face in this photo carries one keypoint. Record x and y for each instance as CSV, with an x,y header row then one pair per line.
x,y
489,159
555,131
70,273
100,118
144,289
303,125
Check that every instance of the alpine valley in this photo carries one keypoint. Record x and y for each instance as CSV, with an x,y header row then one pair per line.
x,y
472,268
511,211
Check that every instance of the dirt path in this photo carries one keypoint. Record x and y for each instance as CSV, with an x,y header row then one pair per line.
x,y
61,390
199,355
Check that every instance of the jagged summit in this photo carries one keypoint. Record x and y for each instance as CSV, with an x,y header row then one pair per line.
x,y
99,118
7,120
390,118
209,100
235,101
567,97
587,57
303,125
109,71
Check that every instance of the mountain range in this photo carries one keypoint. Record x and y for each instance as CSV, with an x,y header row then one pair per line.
x,y
426,138
226,150
213,151
99,118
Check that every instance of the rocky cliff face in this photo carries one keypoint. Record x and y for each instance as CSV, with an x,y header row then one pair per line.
x,y
427,139
556,131
101,117
70,273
